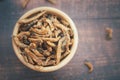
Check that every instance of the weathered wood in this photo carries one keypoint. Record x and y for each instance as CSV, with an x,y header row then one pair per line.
x,y
91,17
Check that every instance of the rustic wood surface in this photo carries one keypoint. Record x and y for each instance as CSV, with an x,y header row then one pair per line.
x,y
91,18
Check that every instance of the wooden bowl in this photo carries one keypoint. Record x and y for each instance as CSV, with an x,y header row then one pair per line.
x,y
64,61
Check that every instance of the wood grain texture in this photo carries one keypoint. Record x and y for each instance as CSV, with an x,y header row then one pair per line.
x,y
91,18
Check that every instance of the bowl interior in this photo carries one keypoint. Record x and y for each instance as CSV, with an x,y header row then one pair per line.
x,y
64,61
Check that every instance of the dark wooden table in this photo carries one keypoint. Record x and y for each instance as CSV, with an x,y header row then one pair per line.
x,y
91,18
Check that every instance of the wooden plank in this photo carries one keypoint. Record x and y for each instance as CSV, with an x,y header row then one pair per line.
x,y
91,17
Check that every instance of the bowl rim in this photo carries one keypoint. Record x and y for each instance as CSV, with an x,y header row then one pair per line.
x,y
64,61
